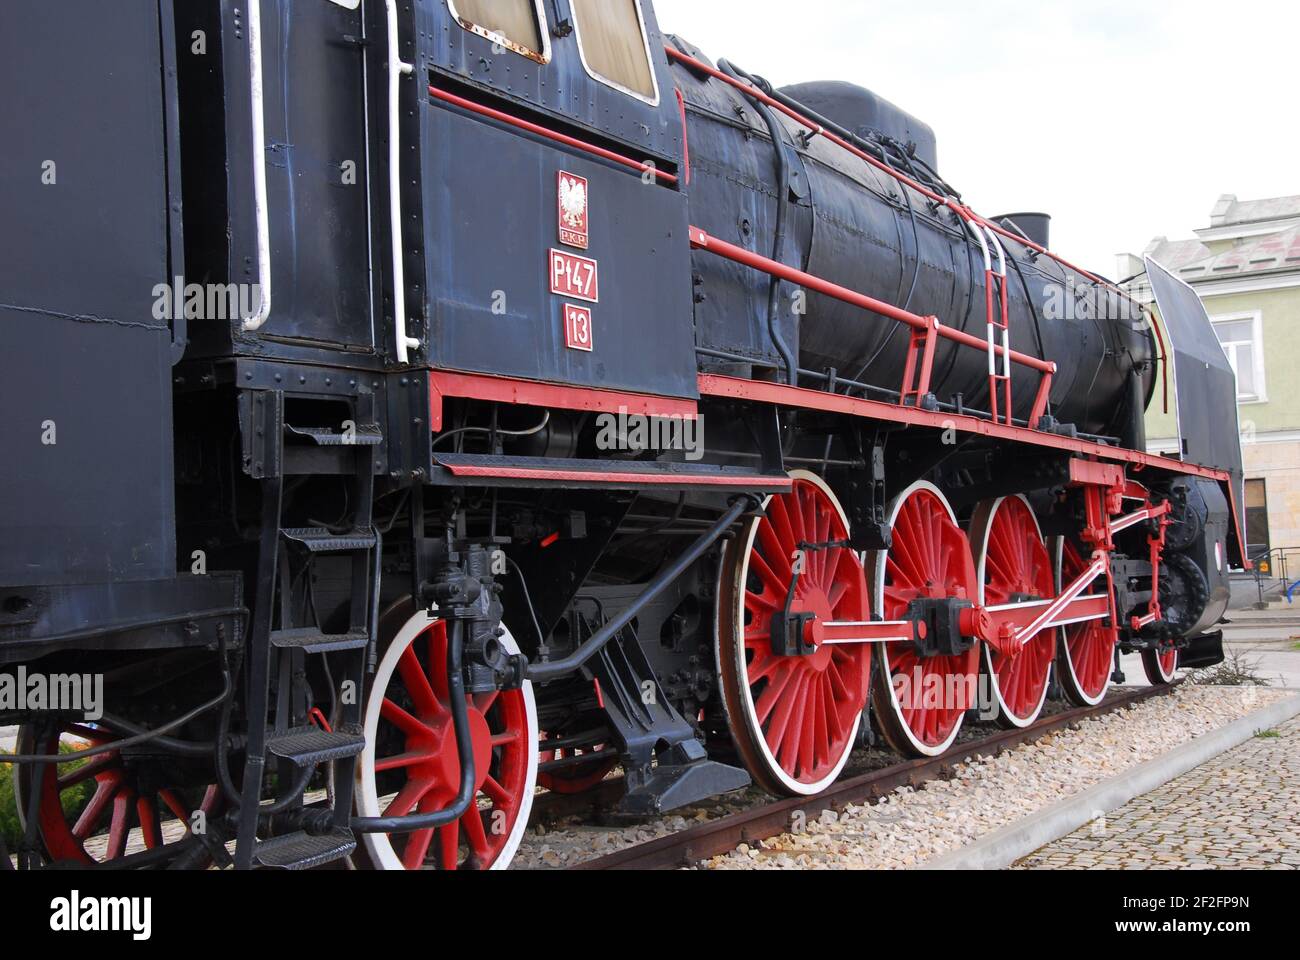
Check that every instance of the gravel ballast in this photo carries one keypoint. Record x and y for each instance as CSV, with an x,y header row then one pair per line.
x,y
911,827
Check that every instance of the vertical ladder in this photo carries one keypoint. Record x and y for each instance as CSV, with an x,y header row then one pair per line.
x,y
291,742
999,313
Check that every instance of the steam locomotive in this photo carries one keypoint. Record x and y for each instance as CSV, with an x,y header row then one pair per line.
x,y
413,403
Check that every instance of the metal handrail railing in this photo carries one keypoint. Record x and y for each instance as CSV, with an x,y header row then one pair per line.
x,y
1279,573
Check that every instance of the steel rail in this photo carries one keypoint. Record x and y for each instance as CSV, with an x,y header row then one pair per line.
x,y
772,820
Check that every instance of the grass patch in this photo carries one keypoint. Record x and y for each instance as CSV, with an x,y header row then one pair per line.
x,y
1268,735
74,799
1237,670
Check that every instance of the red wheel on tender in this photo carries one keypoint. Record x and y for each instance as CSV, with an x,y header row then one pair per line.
x,y
1161,665
410,763
120,817
794,720
579,777
921,703
1013,564
1085,652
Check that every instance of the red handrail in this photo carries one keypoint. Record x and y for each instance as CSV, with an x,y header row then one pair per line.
x,y
925,329
701,240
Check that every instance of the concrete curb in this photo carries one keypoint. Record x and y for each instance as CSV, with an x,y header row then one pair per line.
x,y
1012,843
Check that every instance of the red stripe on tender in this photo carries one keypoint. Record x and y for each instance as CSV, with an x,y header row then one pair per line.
x,y
744,482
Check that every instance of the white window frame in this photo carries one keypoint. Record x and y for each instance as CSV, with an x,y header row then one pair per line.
x,y
543,29
1256,318
645,37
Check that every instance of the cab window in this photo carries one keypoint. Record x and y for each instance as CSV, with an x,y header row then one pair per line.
x,y
517,25
615,47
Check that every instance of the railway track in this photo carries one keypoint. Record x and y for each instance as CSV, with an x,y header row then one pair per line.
x,y
771,820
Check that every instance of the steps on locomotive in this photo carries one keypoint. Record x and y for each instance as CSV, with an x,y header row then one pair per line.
x,y
311,746
322,540
313,641
365,435
279,651
302,851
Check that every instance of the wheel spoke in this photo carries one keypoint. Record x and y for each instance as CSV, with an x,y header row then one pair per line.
x,y
412,793
99,804
417,684
402,760
449,846
146,811
417,849
476,835
496,792
119,830
402,720
92,768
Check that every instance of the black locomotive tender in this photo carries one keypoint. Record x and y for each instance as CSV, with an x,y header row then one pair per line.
x,y
328,329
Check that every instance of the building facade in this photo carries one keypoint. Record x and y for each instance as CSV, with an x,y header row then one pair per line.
x,y
1246,268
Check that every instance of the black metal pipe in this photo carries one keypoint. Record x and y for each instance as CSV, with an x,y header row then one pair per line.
x,y
182,747
555,669
777,133
95,633
464,749
148,736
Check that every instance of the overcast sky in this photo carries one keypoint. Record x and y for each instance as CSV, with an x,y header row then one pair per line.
x,y
1124,119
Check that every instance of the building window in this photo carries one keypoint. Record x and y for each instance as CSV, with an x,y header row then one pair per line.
x,y
518,25
1243,341
1257,532
614,45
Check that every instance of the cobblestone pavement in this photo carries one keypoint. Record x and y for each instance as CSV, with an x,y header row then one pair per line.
x,y
1239,811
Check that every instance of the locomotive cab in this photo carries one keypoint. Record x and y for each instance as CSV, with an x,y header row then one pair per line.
x,y
500,251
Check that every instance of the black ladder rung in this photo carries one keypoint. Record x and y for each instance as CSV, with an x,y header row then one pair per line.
x,y
309,746
365,435
320,540
311,640
302,851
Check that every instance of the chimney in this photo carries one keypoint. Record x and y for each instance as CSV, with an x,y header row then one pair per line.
x,y
1219,215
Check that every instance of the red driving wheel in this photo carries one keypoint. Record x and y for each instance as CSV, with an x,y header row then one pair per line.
x,y
576,778
411,763
1085,654
1014,567
794,720
921,702
119,817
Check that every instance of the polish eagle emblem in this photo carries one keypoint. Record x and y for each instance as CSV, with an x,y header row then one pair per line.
x,y
573,202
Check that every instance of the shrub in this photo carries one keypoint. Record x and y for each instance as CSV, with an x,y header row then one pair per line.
x,y
74,799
